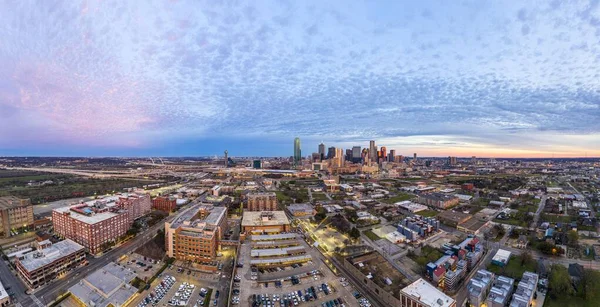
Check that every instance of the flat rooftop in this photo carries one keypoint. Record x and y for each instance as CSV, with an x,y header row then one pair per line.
x,y
427,294
270,252
88,219
188,216
264,218
106,286
281,236
39,258
282,260
3,293
8,202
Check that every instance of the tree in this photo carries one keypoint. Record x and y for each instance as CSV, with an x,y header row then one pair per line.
x,y
573,238
354,233
525,257
560,281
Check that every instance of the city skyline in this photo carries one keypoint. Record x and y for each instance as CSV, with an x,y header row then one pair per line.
x,y
178,78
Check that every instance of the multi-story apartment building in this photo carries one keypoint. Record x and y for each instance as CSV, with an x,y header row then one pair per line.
x,y
49,261
262,201
500,292
438,200
195,234
163,203
526,288
15,213
479,286
422,294
95,223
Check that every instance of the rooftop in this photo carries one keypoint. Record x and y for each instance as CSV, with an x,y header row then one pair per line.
x,y
188,218
427,294
264,218
281,236
438,196
106,286
270,252
281,260
39,258
8,202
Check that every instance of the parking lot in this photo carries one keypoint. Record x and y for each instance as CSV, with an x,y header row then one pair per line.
x,y
144,267
311,275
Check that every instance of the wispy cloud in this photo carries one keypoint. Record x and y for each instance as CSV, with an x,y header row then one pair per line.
x,y
121,74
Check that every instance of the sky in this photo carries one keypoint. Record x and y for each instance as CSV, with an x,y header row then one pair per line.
x,y
193,78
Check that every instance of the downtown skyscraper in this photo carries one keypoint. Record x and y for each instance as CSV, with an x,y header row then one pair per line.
x,y
297,152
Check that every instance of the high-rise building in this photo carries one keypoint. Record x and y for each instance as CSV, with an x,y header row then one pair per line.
x,y
452,160
322,150
373,151
473,160
348,154
392,155
257,164
383,153
356,154
415,156
297,152
364,155
226,158
331,152
338,159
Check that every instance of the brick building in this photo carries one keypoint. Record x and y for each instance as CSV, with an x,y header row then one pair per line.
x,y
438,200
195,234
15,213
262,202
163,203
95,223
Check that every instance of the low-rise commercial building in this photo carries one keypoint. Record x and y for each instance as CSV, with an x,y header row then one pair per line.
x,y
265,222
422,294
164,203
501,257
49,261
301,210
453,218
438,200
195,234
15,213
264,201
108,286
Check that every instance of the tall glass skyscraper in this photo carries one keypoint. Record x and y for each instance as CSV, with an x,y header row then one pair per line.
x,y
297,152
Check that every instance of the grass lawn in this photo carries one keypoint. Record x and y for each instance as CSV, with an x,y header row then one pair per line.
x,y
428,254
319,196
512,221
399,197
427,213
282,198
570,301
513,269
371,235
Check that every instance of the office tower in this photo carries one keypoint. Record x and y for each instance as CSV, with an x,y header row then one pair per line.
x,y
473,160
383,154
373,151
356,154
226,158
392,155
322,150
297,152
399,159
415,156
452,160
364,154
348,154
339,157
330,152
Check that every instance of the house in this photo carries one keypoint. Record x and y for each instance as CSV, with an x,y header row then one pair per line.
x,y
522,242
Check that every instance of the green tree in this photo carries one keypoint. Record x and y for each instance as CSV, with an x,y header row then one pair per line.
x,y
354,233
560,281
573,238
525,257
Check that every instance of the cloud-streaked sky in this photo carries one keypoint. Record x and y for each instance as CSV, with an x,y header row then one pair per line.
x,y
485,78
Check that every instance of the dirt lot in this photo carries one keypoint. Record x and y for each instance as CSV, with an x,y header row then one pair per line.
x,y
380,268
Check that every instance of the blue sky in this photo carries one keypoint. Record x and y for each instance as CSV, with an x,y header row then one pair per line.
x,y
485,78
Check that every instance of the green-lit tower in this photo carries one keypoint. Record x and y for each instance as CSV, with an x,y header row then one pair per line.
x,y
297,152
